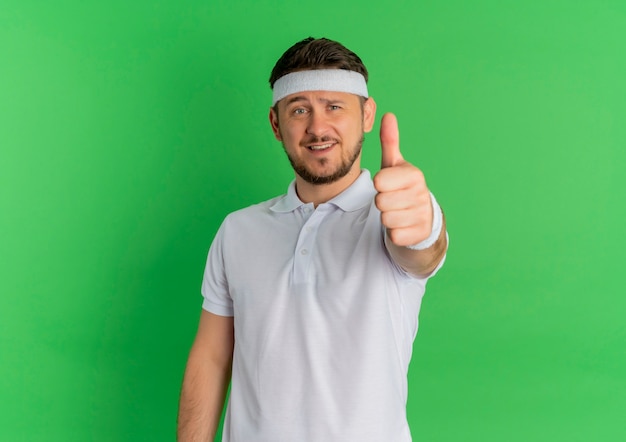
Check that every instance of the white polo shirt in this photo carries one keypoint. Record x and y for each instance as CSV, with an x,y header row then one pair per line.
x,y
324,320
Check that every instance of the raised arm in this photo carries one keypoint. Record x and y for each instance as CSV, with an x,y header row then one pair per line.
x,y
420,262
206,379
414,224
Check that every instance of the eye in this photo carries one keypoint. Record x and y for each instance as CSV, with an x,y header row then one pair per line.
x,y
334,107
299,111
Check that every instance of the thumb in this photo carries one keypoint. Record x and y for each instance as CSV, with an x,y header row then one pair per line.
x,y
390,141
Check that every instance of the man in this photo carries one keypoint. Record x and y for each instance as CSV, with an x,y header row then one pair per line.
x,y
311,299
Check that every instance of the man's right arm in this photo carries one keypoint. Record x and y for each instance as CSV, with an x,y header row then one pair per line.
x,y
206,380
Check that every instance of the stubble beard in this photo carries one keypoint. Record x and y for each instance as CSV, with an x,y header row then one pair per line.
x,y
307,175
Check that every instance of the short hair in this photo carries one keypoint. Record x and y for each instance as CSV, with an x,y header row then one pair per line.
x,y
316,53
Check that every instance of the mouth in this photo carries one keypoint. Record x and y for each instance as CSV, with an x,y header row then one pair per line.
x,y
320,147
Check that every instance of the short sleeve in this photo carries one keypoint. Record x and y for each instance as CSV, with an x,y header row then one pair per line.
x,y
215,289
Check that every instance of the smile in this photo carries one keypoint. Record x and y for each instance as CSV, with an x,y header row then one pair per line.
x,y
319,147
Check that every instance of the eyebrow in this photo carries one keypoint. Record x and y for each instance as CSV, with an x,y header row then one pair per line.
x,y
302,98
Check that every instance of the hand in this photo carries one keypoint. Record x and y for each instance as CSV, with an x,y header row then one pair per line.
x,y
403,197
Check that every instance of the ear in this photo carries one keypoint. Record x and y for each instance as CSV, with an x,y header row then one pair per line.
x,y
369,114
274,123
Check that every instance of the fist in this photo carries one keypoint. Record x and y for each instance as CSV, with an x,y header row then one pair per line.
x,y
403,197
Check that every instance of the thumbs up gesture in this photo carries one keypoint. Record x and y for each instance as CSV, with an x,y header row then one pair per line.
x,y
403,197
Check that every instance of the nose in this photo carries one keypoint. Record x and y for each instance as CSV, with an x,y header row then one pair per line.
x,y
317,124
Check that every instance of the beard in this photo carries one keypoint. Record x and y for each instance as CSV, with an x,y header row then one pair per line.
x,y
342,170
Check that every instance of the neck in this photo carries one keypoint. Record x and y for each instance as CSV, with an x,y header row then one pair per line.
x,y
322,193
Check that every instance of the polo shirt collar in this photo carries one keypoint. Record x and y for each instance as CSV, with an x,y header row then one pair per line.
x,y
355,197
289,202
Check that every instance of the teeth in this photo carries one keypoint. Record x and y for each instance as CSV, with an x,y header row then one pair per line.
x,y
322,147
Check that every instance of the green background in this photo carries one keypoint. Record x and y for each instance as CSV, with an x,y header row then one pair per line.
x,y
129,129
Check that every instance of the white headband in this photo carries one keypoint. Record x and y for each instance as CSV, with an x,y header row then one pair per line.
x,y
335,80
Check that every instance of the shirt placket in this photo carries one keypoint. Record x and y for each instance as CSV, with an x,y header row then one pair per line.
x,y
305,247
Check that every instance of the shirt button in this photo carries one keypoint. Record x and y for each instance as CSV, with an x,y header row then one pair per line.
x,y
304,252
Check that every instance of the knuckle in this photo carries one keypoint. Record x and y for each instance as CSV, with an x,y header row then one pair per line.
x,y
379,200
394,236
418,179
387,219
378,181
424,201
422,234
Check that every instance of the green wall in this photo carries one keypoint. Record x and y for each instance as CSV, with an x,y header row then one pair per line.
x,y
128,129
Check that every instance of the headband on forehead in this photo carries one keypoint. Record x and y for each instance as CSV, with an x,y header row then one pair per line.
x,y
334,80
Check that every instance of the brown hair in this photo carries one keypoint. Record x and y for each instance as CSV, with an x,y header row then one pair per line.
x,y
320,53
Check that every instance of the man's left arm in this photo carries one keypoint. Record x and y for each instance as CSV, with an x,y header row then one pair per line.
x,y
414,223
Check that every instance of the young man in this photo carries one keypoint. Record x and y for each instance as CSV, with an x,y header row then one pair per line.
x,y
311,299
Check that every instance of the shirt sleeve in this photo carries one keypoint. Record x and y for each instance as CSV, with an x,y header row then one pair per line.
x,y
215,290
